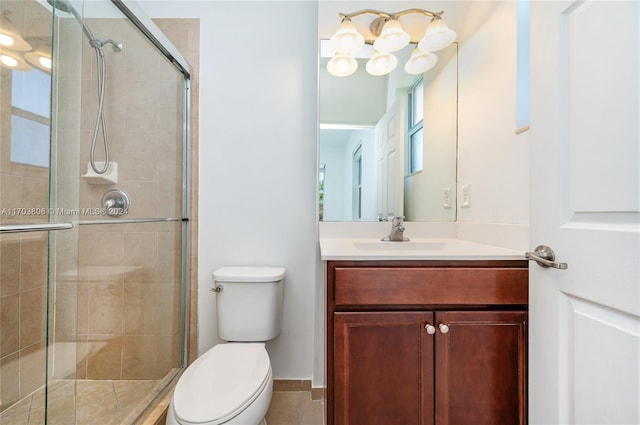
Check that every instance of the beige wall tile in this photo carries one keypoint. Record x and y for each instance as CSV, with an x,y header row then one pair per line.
x,y
33,312
9,380
83,309
9,324
169,306
106,256
141,309
82,356
33,263
9,266
139,161
169,354
104,357
139,357
66,309
105,308
32,368
140,257
169,257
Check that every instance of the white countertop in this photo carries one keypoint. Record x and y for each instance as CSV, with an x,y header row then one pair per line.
x,y
362,249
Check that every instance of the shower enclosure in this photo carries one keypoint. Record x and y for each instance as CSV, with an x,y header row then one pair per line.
x,y
93,211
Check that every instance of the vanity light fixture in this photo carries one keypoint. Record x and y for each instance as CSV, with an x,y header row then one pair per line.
x,y
389,37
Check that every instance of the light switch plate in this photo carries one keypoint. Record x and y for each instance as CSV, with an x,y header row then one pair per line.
x,y
466,196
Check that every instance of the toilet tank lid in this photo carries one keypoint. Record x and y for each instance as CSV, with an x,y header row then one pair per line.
x,y
249,274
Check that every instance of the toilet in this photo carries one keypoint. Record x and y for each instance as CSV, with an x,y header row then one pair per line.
x,y
232,382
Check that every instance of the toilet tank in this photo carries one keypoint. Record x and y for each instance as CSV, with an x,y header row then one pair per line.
x,y
249,302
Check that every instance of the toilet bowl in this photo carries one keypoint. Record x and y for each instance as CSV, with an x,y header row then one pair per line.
x,y
229,384
232,382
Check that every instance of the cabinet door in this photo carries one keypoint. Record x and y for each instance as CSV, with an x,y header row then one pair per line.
x,y
383,368
480,368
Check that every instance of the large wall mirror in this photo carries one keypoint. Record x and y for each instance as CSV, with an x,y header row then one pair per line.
x,y
375,162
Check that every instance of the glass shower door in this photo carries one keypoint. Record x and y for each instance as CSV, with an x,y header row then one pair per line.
x,y
92,304
25,120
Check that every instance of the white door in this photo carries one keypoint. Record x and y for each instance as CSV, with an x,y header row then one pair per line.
x,y
390,160
585,201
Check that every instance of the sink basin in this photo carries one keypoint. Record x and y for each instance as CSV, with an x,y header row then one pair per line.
x,y
400,246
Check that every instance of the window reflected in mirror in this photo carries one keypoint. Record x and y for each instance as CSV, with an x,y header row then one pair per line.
x,y
30,117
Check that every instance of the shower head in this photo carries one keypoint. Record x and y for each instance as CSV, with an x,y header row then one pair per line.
x,y
97,43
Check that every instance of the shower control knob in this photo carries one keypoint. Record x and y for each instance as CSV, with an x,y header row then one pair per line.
x,y
115,203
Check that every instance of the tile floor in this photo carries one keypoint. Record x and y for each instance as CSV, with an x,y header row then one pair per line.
x,y
295,408
120,402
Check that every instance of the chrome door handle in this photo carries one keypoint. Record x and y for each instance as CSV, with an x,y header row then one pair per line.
x,y
443,328
545,257
430,328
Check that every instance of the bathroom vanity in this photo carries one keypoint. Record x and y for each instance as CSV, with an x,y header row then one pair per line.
x,y
438,339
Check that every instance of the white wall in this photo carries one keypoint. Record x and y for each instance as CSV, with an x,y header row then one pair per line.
x,y
258,131
491,157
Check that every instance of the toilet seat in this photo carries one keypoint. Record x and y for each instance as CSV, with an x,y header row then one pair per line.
x,y
221,383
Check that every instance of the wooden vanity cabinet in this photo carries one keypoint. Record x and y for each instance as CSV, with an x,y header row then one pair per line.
x,y
426,342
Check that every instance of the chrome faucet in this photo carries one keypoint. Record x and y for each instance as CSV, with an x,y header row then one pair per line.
x,y
397,230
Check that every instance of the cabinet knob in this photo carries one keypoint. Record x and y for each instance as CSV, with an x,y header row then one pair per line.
x,y
443,328
430,328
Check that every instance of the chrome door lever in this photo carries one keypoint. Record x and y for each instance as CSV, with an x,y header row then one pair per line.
x,y
545,257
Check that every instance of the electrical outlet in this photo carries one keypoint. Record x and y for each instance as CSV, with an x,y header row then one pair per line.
x,y
446,197
466,196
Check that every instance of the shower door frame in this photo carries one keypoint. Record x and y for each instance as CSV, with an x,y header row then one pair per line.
x,y
150,30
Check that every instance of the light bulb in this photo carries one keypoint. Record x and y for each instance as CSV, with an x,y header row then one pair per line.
x,y
342,65
45,62
437,37
381,63
392,37
40,57
420,62
6,40
9,61
347,38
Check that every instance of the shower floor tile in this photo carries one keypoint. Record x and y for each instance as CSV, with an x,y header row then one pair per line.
x,y
84,403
